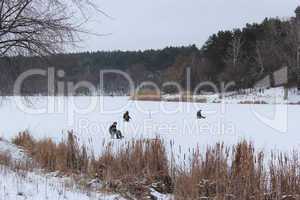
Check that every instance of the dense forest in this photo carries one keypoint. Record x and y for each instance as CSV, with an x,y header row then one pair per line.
x,y
241,55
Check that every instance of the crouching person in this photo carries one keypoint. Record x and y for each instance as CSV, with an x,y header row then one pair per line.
x,y
113,131
119,134
199,115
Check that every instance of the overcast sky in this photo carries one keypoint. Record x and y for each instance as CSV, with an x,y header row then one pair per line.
x,y
145,24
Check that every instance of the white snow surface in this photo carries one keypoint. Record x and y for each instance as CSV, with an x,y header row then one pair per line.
x,y
24,185
160,196
37,185
268,126
267,96
15,153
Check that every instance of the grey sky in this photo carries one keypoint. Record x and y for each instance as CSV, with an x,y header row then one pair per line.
x,y
144,24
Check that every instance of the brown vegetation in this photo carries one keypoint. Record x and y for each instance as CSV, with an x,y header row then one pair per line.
x,y
239,173
146,98
253,102
221,172
66,156
153,96
147,95
132,167
5,159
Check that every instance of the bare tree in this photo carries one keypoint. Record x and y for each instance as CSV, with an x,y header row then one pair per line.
x,y
259,58
40,27
236,45
233,58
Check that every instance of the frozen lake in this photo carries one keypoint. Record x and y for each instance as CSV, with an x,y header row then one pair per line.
x,y
268,126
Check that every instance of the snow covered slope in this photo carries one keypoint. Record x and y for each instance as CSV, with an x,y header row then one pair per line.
x,y
19,186
36,185
15,153
267,96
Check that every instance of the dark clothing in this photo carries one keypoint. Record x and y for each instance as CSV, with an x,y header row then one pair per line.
x,y
119,134
113,129
126,117
199,115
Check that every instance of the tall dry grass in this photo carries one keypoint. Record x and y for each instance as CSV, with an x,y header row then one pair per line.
x,y
238,173
66,156
140,161
5,159
232,173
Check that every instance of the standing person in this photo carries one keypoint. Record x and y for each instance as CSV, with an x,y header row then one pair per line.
x,y
199,115
126,116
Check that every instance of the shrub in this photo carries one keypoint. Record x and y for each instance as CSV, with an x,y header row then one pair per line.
x,y
239,173
220,172
5,159
25,140
65,157
136,161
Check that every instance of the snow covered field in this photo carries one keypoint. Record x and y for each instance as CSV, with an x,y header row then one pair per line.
x,y
272,126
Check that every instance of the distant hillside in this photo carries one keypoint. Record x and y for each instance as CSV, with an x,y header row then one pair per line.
x,y
241,55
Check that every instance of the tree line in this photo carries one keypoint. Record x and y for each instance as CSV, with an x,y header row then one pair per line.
x,y
243,55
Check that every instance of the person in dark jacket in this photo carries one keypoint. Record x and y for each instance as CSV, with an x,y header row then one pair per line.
x,y
199,115
114,131
126,116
